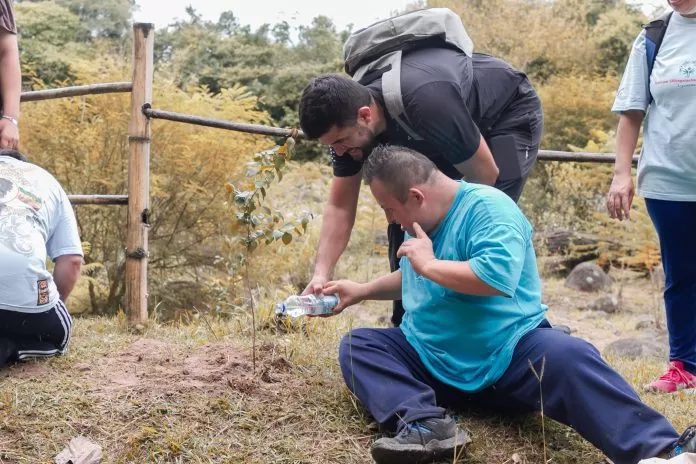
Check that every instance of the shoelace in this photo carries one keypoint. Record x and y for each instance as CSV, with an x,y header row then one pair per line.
x,y
676,375
417,427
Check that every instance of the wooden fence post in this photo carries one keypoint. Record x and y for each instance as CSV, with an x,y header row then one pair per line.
x,y
139,175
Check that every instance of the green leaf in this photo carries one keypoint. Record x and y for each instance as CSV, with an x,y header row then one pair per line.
x,y
287,238
243,197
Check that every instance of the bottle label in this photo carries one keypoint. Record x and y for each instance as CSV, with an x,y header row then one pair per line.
x,y
328,303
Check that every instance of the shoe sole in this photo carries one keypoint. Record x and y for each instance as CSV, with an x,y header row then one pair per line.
x,y
418,454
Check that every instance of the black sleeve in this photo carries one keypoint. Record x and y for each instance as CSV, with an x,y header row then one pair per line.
x,y
438,113
344,166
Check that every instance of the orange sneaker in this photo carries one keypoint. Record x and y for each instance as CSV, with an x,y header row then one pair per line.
x,y
675,379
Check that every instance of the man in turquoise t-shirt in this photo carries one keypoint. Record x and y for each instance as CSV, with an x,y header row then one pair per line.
x,y
473,322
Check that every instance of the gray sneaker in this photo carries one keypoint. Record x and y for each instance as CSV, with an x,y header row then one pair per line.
x,y
422,441
686,443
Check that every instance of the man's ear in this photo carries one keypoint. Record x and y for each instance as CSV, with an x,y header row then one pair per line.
x,y
365,114
416,194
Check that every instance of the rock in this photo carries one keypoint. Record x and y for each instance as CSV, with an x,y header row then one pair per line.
x,y
633,348
607,303
563,328
588,277
646,322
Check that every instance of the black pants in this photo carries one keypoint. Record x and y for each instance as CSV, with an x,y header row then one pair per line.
x,y
523,145
25,336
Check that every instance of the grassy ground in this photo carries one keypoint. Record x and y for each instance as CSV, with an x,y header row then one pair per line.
x,y
189,393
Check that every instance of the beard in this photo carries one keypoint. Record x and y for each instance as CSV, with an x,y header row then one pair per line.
x,y
361,153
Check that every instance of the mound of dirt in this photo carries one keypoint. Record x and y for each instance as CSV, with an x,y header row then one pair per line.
x,y
162,367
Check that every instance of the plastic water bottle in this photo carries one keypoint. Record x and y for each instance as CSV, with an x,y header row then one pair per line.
x,y
313,305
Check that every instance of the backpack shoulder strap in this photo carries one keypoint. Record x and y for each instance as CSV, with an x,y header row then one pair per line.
x,y
654,34
393,99
391,88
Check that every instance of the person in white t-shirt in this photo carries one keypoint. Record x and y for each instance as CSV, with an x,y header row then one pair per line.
x,y
36,220
666,99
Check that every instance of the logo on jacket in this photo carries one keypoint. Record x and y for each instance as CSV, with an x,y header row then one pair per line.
x,y
688,68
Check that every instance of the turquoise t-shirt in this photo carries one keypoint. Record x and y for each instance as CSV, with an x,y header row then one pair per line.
x,y
467,341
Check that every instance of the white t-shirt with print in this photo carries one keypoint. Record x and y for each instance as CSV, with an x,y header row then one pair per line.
x,y
36,219
667,165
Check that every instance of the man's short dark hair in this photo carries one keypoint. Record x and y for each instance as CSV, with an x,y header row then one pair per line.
x,y
398,168
331,100
13,154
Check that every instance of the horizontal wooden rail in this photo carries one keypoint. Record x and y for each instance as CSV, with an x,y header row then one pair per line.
x,y
544,155
91,89
221,124
98,199
550,155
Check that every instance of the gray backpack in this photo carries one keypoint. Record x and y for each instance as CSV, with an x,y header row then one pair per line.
x,y
379,47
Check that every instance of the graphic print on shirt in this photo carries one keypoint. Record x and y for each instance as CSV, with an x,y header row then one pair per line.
x,y
688,68
19,207
685,75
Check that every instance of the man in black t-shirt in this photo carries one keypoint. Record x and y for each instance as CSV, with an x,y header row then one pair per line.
x,y
476,118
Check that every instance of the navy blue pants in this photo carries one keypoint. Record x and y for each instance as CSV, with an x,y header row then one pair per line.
x,y
675,222
579,389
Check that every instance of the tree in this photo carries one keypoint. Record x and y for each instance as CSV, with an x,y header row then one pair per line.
x,y
223,54
109,19
47,32
48,23
614,34
546,40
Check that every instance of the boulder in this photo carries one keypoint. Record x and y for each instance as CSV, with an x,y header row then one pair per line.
x,y
588,277
607,303
633,348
